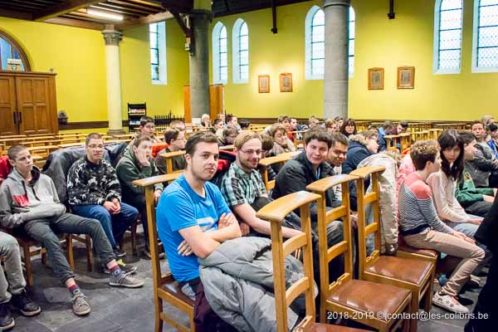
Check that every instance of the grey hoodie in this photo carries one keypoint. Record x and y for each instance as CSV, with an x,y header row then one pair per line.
x,y
22,201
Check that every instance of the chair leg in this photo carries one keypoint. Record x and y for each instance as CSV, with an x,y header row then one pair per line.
x,y
89,254
158,322
133,230
69,250
27,265
414,309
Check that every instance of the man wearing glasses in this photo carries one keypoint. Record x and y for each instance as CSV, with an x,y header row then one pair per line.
x,y
243,188
94,192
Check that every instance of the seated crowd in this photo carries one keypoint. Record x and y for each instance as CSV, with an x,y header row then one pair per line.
x,y
444,193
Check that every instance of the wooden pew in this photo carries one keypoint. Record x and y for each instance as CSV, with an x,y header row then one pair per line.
x,y
413,274
352,298
169,160
165,288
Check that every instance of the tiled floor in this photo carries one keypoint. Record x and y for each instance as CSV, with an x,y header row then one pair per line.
x,y
130,310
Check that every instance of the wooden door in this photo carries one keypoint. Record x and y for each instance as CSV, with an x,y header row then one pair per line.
x,y
8,124
34,102
216,100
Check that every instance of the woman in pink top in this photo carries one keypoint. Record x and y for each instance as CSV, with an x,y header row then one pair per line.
x,y
442,184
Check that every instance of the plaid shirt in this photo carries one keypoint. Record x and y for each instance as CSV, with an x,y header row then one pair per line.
x,y
239,187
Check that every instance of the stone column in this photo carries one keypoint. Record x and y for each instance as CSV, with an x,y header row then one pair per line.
x,y
112,38
199,63
335,83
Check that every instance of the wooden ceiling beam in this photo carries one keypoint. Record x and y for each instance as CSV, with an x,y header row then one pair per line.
x,y
76,23
63,8
153,18
16,14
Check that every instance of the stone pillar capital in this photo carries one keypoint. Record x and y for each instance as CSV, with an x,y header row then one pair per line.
x,y
327,3
112,37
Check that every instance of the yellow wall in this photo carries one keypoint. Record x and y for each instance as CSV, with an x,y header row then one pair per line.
x,y
408,40
380,42
136,80
272,54
76,55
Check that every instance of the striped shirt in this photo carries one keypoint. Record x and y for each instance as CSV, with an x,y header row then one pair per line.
x,y
239,187
416,208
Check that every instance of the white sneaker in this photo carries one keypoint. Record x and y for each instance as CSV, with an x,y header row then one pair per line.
x,y
449,303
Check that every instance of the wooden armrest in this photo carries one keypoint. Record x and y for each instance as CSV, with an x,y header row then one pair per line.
x,y
325,184
365,172
172,154
281,158
391,136
279,208
150,181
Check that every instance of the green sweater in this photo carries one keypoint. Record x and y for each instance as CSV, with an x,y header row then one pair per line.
x,y
129,170
467,193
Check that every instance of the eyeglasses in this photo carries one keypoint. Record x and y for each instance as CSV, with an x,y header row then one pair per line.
x,y
258,152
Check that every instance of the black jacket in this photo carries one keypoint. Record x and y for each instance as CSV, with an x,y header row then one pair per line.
x,y
357,151
296,174
487,233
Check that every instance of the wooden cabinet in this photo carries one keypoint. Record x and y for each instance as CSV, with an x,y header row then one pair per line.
x,y
216,101
27,103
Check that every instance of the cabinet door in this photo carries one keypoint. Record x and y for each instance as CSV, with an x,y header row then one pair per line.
x,y
7,106
34,103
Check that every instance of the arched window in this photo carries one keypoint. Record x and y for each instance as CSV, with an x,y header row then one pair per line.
x,y
315,43
220,54
240,53
351,35
448,22
157,45
485,39
12,57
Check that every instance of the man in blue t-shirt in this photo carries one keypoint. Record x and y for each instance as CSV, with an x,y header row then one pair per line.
x,y
193,219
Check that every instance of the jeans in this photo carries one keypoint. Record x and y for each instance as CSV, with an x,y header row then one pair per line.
x,y
11,280
464,227
138,201
480,208
114,225
43,230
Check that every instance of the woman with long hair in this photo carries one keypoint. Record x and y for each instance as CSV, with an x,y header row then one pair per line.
x,y
348,128
443,185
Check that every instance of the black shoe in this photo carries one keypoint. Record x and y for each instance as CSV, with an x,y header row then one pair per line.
x,y
25,304
6,320
119,253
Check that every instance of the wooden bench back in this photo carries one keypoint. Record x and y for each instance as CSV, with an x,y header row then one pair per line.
x,y
275,213
344,247
365,199
276,160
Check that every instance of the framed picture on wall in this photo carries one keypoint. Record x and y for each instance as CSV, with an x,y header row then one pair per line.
x,y
406,77
264,83
376,78
286,82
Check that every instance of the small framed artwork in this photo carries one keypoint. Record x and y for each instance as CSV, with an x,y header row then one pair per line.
x,y
286,82
406,77
264,83
376,78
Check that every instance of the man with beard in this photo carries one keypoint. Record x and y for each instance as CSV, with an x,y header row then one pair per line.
x,y
192,220
244,189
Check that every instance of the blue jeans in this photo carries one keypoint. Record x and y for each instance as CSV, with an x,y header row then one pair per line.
x,y
464,227
114,225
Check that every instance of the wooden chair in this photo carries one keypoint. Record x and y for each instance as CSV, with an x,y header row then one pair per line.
x,y
275,213
375,305
434,133
413,274
164,286
276,160
31,248
169,160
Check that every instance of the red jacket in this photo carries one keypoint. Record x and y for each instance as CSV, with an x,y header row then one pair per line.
x,y
5,168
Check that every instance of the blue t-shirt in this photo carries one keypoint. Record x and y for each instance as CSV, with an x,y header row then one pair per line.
x,y
181,207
